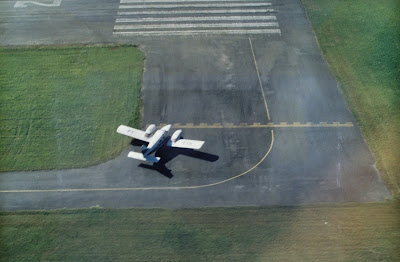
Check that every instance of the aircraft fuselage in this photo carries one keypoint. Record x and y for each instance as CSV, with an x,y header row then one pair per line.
x,y
157,140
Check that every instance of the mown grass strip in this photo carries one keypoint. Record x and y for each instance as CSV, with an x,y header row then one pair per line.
x,y
60,106
360,39
356,232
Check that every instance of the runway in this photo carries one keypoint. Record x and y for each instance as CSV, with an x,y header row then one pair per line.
x,y
277,129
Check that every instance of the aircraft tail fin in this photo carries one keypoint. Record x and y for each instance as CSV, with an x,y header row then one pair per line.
x,y
141,157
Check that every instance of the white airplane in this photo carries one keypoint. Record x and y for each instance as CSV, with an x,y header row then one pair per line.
x,y
156,138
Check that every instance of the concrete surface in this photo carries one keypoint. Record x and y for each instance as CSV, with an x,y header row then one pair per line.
x,y
217,79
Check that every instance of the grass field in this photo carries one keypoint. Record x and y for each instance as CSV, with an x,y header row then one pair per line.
x,y
60,107
361,41
362,232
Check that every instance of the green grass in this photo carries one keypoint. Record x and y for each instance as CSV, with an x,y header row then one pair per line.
x,y
356,232
60,107
361,42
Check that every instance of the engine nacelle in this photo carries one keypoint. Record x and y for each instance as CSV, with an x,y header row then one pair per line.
x,y
176,136
150,130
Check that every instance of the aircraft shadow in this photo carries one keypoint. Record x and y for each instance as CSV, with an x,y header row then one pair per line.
x,y
167,154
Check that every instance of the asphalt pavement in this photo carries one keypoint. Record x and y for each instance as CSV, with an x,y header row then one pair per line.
x,y
257,90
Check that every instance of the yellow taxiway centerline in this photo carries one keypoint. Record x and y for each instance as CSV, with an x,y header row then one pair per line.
x,y
259,79
259,125
143,188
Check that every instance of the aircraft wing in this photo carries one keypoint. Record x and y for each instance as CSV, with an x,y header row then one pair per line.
x,y
133,132
141,157
186,143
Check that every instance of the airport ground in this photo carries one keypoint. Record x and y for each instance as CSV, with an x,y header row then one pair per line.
x,y
367,70
380,241
345,232
277,129
80,95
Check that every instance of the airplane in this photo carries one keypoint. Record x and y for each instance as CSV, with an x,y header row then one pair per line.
x,y
156,139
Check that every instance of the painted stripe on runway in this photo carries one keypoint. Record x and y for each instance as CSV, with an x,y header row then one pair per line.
x,y
182,12
184,5
155,26
260,125
230,18
175,1
199,32
195,18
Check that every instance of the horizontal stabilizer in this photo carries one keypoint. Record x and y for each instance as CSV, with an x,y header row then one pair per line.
x,y
141,157
186,143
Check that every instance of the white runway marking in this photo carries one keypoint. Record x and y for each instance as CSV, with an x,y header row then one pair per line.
x,y
174,1
202,32
195,18
184,5
23,3
181,26
208,11
167,18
